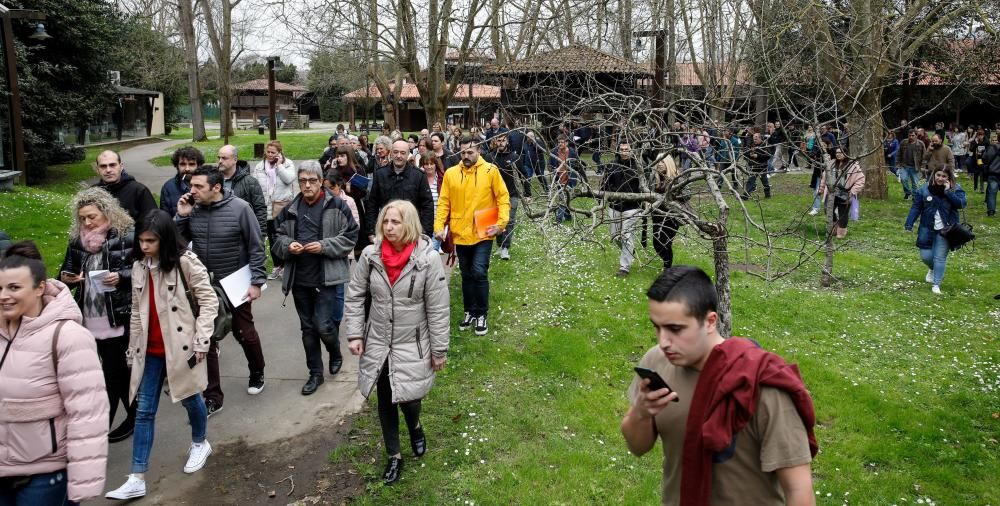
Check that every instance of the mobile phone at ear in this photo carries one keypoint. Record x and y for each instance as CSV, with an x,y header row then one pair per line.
x,y
192,361
655,380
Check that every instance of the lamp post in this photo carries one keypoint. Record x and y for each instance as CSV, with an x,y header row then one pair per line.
x,y
273,63
10,58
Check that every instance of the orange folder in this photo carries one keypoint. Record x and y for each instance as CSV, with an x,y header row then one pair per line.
x,y
484,219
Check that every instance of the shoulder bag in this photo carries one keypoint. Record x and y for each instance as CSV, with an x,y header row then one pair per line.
x,y
223,320
958,234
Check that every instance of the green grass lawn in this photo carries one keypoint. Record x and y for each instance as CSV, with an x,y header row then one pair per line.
x,y
905,383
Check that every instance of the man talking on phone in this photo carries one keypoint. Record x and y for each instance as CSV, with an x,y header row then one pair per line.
x,y
225,234
741,429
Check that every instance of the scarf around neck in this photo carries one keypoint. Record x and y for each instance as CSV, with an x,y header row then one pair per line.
x,y
93,240
395,260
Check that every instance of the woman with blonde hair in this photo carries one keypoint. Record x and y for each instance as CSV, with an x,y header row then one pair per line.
x,y
276,176
404,340
98,265
664,226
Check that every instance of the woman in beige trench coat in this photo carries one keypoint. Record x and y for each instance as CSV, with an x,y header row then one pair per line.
x,y
167,341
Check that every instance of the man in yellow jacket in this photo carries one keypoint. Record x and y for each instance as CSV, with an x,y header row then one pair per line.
x,y
470,186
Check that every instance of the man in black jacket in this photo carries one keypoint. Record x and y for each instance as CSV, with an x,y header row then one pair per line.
x,y
237,178
622,176
131,194
509,164
991,168
226,236
399,181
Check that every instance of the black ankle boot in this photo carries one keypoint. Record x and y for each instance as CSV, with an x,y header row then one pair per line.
x,y
418,442
393,470
123,431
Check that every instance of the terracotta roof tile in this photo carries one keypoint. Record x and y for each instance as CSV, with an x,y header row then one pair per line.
x,y
410,92
261,85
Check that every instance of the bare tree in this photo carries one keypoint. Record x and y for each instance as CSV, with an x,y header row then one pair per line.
x,y
185,21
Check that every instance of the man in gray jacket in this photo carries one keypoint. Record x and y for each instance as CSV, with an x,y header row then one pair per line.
x,y
316,234
236,174
226,236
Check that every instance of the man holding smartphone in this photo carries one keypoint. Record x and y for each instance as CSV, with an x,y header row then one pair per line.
x,y
751,440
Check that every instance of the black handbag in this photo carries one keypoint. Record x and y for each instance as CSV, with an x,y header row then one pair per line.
x,y
224,318
958,234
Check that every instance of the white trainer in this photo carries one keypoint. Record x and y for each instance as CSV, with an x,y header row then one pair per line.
x,y
197,456
504,254
936,289
929,277
132,488
814,211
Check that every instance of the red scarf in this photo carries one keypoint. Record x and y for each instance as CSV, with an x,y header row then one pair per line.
x,y
394,261
724,401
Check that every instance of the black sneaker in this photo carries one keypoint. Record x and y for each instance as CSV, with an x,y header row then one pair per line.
x,y
212,407
256,383
466,321
481,326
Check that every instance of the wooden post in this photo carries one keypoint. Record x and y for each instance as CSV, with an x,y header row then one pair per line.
x,y
272,100
17,130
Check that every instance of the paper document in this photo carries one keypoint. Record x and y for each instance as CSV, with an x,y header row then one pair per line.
x,y
236,285
96,280
484,219
359,181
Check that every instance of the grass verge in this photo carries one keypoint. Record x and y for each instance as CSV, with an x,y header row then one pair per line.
x,y
905,383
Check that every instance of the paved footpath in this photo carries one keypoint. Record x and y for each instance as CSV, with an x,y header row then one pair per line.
x,y
279,412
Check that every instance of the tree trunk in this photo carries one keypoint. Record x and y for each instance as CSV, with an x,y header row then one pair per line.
x,y
186,21
720,245
866,144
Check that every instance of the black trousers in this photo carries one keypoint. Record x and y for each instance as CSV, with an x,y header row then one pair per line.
x,y
388,416
272,230
116,373
664,230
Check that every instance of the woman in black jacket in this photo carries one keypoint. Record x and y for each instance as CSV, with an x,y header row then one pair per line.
x,y
98,265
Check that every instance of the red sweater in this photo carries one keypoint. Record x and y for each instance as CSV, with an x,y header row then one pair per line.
x,y
154,346
724,401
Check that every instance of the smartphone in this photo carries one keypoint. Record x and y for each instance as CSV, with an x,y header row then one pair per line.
x,y
189,199
655,380
192,361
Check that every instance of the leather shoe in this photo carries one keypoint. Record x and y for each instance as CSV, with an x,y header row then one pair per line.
x,y
418,442
393,470
122,432
310,387
335,363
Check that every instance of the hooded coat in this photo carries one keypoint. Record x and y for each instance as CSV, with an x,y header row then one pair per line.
x,y
407,324
133,196
54,417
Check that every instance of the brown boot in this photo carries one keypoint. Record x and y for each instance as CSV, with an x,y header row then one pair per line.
x,y
841,233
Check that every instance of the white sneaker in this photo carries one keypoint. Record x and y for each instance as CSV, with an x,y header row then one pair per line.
x,y
929,277
504,254
197,456
936,290
814,211
132,488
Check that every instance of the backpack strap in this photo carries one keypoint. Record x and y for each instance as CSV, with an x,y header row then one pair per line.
x,y
55,347
195,309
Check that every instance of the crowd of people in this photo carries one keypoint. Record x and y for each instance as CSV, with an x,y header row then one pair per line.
x,y
363,239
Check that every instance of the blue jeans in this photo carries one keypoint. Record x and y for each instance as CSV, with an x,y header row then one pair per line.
x,y
320,312
46,489
150,389
908,176
991,196
506,236
936,257
474,262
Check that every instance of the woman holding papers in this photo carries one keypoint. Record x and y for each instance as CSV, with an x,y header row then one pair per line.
x,y
98,265
167,341
404,340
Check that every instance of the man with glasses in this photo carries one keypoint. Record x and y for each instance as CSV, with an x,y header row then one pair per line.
x,y
226,237
399,180
238,180
316,234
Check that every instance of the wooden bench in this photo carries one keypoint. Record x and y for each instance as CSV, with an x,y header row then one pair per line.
x,y
246,124
7,178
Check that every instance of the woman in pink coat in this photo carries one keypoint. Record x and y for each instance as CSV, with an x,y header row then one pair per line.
x,y
53,405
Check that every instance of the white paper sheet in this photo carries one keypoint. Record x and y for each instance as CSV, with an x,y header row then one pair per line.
x,y
236,285
96,280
